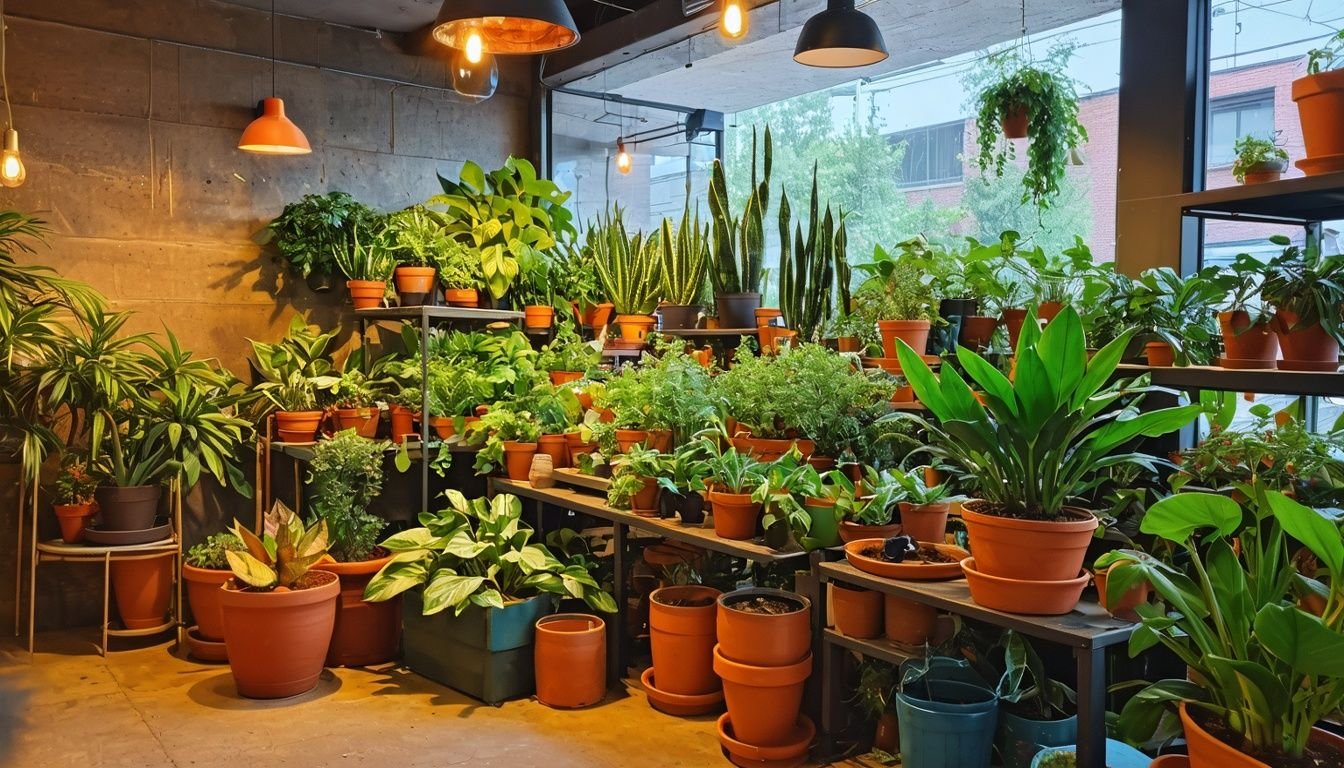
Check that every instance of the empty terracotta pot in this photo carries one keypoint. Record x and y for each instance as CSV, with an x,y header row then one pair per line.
x,y
682,638
538,317
908,622
203,589
518,458
925,522
790,754
1028,597
912,332
365,633
366,294
851,531
1160,354
297,426
735,515
857,612
277,640
554,446
764,639
403,422
570,656
763,702
143,590
73,519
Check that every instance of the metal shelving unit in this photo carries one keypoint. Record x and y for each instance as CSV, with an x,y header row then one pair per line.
x,y
1265,381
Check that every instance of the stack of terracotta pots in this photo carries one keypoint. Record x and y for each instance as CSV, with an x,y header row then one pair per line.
x,y
142,585
764,657
1026,566
682,636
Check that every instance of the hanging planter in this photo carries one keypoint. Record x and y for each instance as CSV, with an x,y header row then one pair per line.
x,y
1038,104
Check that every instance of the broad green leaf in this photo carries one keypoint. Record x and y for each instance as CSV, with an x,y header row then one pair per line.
x,y
449,590
1300,640
393,579
1318,533
1177,517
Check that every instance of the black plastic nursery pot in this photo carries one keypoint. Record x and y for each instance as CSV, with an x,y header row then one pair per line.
x,y
485,653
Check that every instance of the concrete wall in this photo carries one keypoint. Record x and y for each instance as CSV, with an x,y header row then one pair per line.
x,y
129,115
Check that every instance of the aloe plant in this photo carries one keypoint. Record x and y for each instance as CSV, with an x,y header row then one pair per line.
x,y
684,258
627,265
738,245
808,269
282,561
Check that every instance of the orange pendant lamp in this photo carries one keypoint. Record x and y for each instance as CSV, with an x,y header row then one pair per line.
x,y
506,26
273,133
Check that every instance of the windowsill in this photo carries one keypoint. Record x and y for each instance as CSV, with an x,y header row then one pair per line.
x,y
920,187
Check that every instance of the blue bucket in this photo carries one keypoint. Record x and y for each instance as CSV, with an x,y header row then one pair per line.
x,y
947,720
1020,738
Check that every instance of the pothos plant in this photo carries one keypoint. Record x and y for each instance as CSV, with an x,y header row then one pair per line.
x,y
1050,100
500,425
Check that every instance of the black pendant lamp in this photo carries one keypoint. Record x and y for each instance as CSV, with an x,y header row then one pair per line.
x,y
506,26
840,36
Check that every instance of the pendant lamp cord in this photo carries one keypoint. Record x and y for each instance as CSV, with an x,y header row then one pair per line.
x,y
4,79
273,45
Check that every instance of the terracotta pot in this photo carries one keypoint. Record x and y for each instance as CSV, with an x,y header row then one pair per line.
x,y
1206,751
767,640
461,297
635,327
277,641
903,394
561,378
1031,550
444,426
365,633
735,515
676,704
682,639
1170,761
403,422
887,735
660,440
790,754
1131,599
856,612
821,463
1305,348
203,590
366,294
1048,310
570,658
1265,172
767,316
595,316
1160,354
415,285
850,531
363,420
1014,318
1247,345
1320,109
297,426
645,502
976,330
538,317
143,589
774,338
912,332
737,310
848,344
908,622
629,438
518,458
132,508
1014,122
554,446
1032,597
576,447
763,702
680,317
925,522
73,519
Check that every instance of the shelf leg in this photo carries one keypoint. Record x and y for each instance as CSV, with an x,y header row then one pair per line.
x,y
107,598
18,555
615,627
1091,707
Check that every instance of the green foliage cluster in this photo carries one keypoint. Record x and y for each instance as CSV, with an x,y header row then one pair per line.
x,y
346,475
210,553
1256,153
315,232
283,558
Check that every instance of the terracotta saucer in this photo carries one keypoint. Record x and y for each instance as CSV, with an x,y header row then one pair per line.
x,y
1171,761
1233,363
1020,596
677,704
893,364
907,571
1321,366
1314,166
102,537
201,649
788,755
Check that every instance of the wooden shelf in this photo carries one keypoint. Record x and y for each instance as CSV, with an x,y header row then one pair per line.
x,y
708,333
304,451
1088,626
440,314
1300,200
1265,382
590,504
877,648
577,479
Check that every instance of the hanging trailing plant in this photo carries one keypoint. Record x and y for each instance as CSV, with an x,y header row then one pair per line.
x,y
1049,101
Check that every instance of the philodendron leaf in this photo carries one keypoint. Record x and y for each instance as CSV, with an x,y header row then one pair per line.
x,y
449,590
1177,517
1300,640
250,570
1320,534
393,579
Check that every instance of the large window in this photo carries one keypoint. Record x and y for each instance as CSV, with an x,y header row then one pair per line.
x,y
932,155
1233,117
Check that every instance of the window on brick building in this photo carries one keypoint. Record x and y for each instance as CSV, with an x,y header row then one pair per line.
x,y
1232,117
933,154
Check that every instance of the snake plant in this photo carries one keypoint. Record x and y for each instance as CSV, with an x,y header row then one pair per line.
x,y
738,245
684,258
808,269
627,265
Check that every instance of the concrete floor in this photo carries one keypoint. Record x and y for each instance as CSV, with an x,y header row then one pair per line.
x,y
149,708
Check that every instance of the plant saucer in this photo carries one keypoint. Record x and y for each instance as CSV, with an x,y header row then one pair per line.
x,y
916,571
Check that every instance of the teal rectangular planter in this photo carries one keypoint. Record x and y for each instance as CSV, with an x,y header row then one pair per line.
x,y
485,653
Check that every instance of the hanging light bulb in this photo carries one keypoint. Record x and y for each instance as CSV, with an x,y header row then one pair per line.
x,y
623,160
475,47
12,172
733,20
476,80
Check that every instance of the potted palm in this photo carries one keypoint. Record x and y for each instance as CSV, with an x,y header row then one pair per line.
x,y
367,265
683,265
1304,287
1029,543
1258,160
1248,339
205,569
1267,670
345,476
737,242
473,587
416,238
278,611
1320,107
628,268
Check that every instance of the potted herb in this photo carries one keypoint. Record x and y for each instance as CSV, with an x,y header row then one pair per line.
x,y
567,357
1021,528
898,297
73,502
353,395
866,509
1304,287
474,587
737,242
368,266
205,569
1248,339
508,439
1267,669
924,507
683,481
1258,160
683,259
416,237
460,274
634,481
1320,106
345,476
1034,103
628,268
314,231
